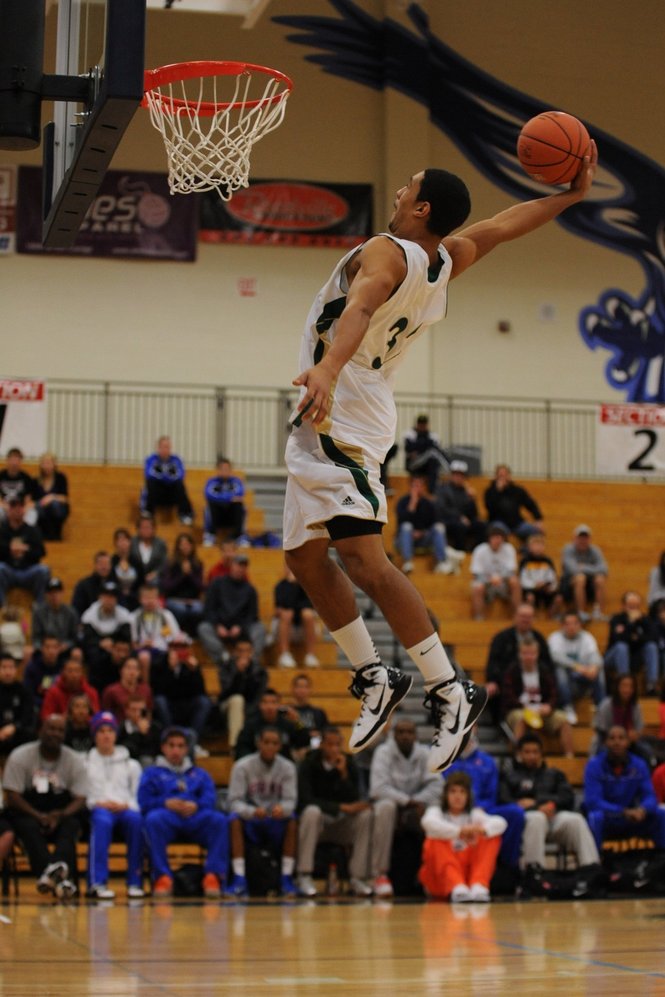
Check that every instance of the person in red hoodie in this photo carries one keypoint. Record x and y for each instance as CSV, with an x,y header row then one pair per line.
x,y
70,682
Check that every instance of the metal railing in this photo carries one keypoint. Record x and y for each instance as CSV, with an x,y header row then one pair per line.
x,y
118,422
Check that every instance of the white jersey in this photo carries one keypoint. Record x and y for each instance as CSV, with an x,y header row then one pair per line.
x,y
362,413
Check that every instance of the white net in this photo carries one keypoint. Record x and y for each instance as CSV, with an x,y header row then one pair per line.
x,y
210,124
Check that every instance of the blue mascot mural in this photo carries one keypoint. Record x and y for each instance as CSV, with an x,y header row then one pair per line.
x,y
483,117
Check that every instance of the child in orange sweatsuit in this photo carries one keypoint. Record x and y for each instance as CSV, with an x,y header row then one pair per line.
x,y
461,845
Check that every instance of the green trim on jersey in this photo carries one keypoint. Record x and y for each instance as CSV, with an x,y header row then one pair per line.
x,y
359,474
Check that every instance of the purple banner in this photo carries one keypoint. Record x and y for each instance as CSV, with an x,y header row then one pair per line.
x,y
132,215
289,213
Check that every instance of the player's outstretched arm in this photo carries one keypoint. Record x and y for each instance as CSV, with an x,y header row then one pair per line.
x,y
381,268
476,241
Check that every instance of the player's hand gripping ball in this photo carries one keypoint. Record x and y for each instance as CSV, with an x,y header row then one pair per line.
x,y
552,146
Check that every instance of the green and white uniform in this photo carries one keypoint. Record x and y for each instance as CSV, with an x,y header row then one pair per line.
x,y
334,469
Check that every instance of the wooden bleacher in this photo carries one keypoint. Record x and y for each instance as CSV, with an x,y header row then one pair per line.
x,y
627,522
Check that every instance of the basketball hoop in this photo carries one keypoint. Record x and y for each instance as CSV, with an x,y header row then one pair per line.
x,y
210,115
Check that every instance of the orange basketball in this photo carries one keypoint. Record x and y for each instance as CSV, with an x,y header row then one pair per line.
x,y
551,147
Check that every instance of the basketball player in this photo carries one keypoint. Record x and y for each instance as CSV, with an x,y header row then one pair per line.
x,y
378,300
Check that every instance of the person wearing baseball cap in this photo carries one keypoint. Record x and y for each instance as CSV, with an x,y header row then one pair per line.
x,y
584,575
494,571
457,507
113,779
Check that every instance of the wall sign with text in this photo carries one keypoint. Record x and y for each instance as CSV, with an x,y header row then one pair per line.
x,y
630,440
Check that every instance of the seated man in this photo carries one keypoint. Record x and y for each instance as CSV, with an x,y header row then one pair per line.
x,y
401,787
296,621
504,501
43,669
584,575
113,781
117,695
86,590
457,508
231,607
578,664
225,508
503,651
148,552
528,698
179,800
538,578
418,527
139,733
547,799
21,550
633,643
101,621
494,571
17,719
53,616
423,453
180,694
330,809
105,669
242,680
618,794
70,682
45,786
78,735
312,718
270,713
262,802
164,475
483,771
17,483
153,628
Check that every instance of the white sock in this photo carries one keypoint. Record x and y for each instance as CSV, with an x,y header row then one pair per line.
x,y
238,866
356,643
431,660
288,865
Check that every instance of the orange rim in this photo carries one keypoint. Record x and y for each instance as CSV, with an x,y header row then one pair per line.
x,y
177,71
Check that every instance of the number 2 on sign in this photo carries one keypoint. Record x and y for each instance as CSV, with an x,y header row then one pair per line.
x,y
638,463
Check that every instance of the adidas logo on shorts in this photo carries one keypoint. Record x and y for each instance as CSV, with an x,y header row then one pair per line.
x,y
348,501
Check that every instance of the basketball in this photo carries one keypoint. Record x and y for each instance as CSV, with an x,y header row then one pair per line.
x,y
551,147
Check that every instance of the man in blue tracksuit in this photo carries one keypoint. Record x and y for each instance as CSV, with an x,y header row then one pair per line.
x,y
164,475
619,796
484,774
178,800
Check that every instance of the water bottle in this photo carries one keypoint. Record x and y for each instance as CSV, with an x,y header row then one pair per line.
x,y
333,880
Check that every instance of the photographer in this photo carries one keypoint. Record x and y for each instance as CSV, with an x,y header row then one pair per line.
x,y
179,692
271,713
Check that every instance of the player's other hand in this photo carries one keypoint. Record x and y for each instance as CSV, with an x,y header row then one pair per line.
x,y
314,404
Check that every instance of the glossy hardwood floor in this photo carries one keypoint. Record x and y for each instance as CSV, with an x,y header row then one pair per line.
x,y
612,947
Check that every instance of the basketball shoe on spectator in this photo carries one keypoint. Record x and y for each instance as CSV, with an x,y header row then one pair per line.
x,y
212,889
163,887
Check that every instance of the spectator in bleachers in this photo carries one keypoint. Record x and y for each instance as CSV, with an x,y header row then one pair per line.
x,y
423,453
462,843
658,617
271,713
657,583
504,647
231,607
148,552
419,528
70,682
164,474
622,708
55,617
139,732
86,590
331,809
21,551
528,698
78,735
504,501
225,507
262,801
113,781
242,680
483,771
584,575
401,787
632,643
458,510
51,498
17,483
102,621
658,780
45,786
128,575
178,800
43,668
105,669
548,801
180,694
311,717
13,633
538,577
181,584
494,571
296,621
618,793
16,708
227,551
153,629
117,695
578,664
